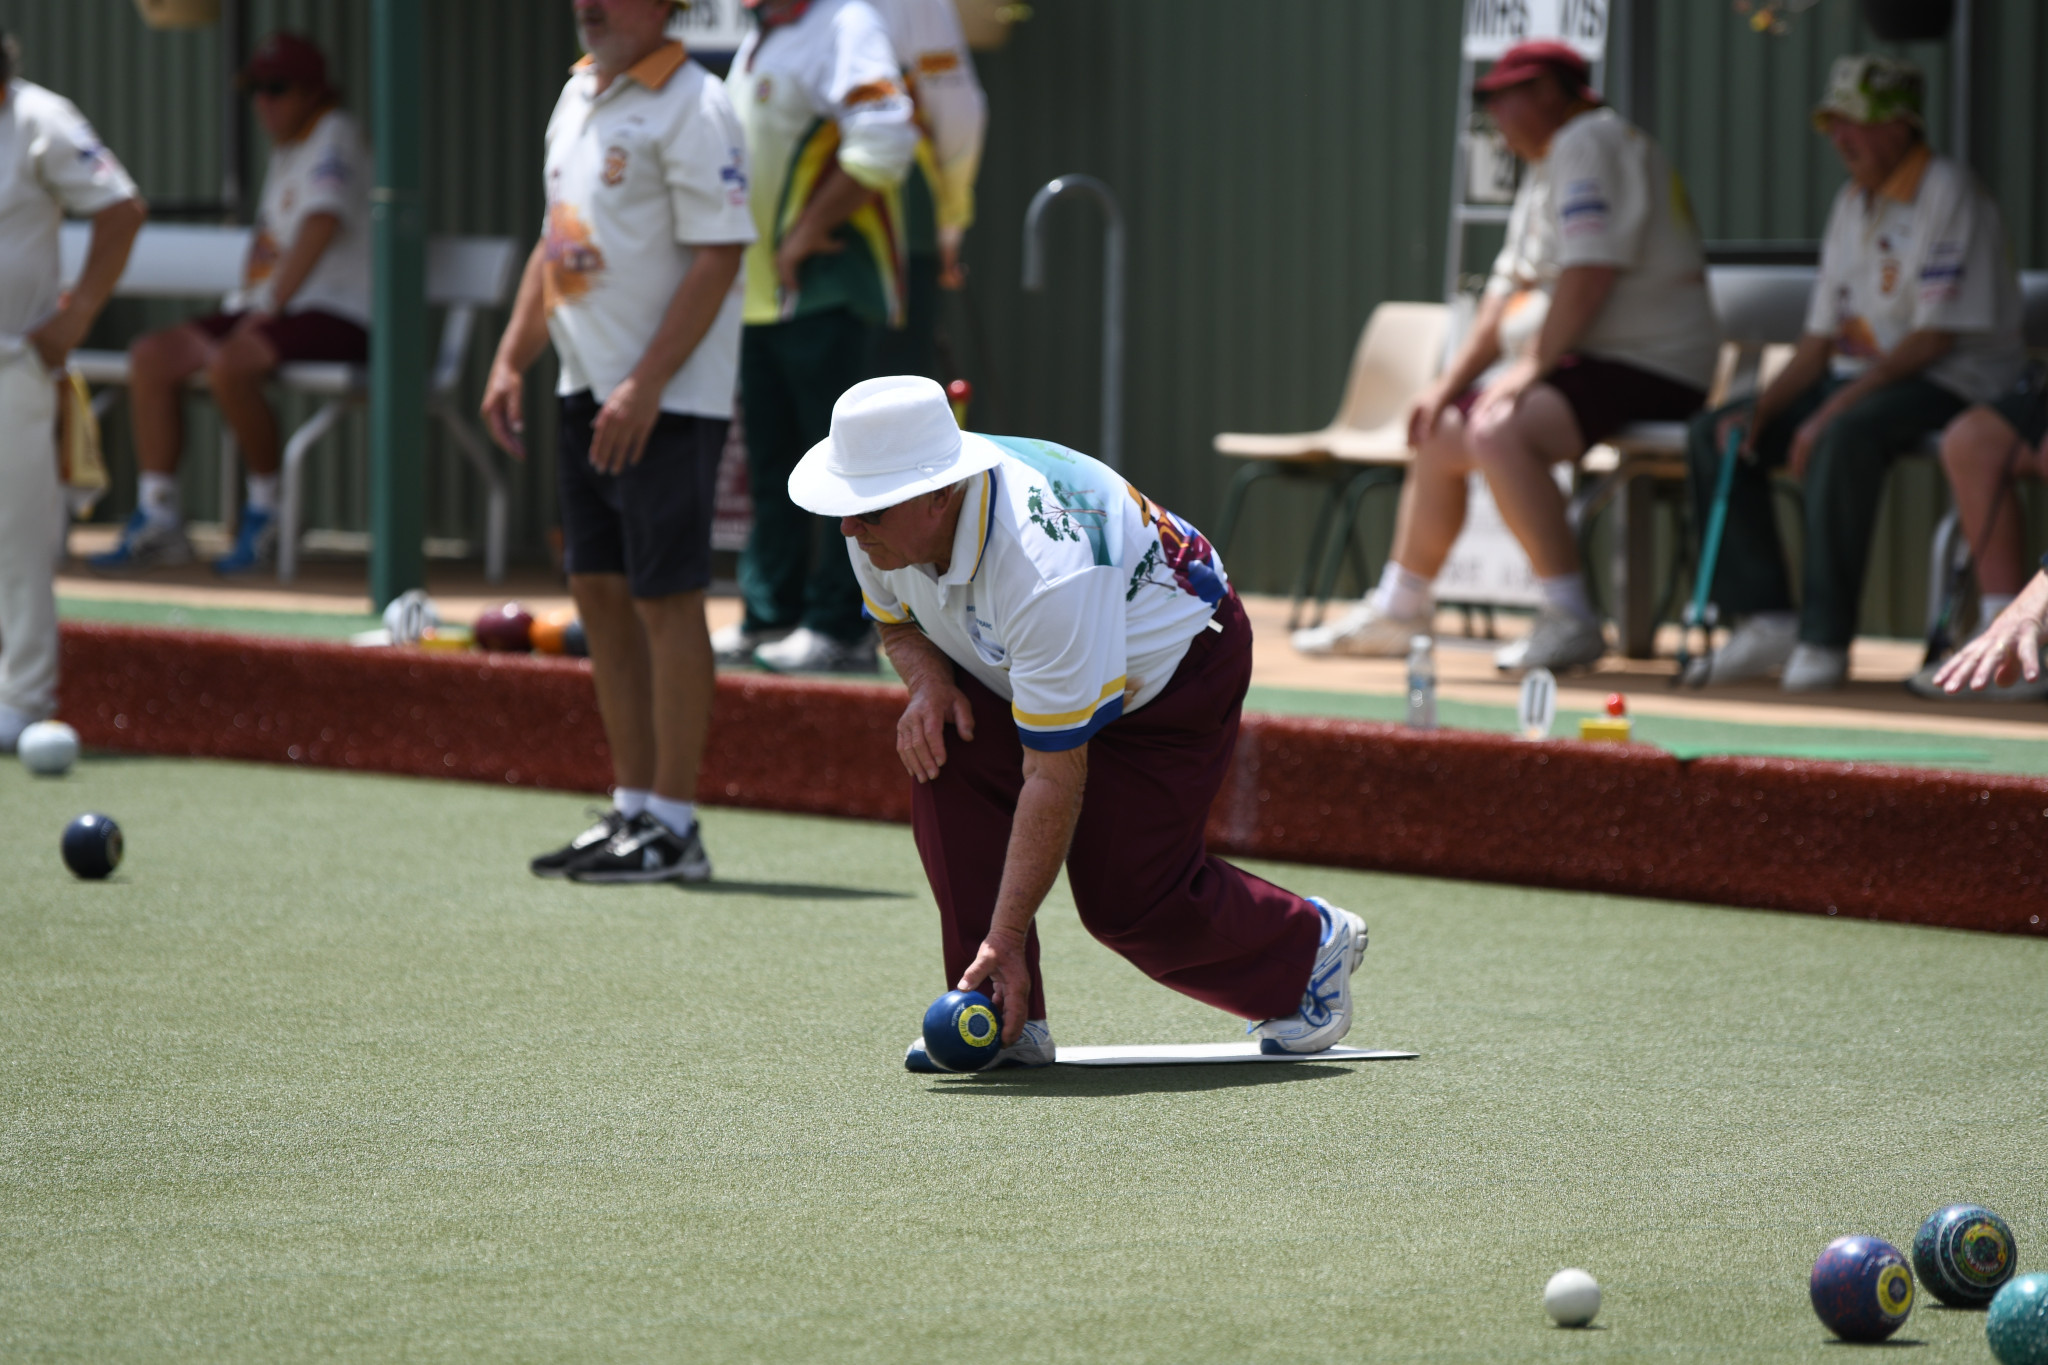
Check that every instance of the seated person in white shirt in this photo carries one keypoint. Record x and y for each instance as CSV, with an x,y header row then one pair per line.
x,y
1915,316
305,296
1596,315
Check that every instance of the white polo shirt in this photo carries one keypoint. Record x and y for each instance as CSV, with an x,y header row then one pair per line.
x,y
1070,594
1926,252
637,178
1604,195
952,111
326,171
51,163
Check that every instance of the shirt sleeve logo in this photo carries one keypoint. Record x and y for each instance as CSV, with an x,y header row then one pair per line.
x,y
1585,208
873,92
733,175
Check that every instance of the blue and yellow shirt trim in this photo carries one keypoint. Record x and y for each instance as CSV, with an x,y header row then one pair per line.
x,y
1070,729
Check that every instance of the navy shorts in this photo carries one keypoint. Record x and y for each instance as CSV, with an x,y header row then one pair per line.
x,y
1607,395
651,523
2025,408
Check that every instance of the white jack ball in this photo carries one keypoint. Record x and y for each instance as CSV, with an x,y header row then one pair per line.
x,y
48,748
1571,1298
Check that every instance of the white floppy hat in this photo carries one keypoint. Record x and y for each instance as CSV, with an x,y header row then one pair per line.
x,y
892,439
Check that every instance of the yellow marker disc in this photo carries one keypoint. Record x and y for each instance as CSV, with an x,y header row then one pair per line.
x,y
978,1027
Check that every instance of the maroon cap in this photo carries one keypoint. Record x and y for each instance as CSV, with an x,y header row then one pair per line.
x,y
1526,61
286,59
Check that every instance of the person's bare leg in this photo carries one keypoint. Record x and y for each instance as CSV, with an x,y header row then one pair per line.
x,y
1516,454
158,367
1974,451
679,647
619,666
237,372
1433,499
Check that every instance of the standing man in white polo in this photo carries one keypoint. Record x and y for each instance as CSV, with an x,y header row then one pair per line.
x,y
51,164
636,280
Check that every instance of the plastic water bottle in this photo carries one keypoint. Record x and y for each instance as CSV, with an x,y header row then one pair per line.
x,y
1421,684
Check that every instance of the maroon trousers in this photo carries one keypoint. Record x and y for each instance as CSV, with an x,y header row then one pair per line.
x,y
1143,881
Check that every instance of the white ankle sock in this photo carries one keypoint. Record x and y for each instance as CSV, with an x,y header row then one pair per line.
x,y
263,492
1567,592
1401,594
630,801
158,496
1993,603
679,816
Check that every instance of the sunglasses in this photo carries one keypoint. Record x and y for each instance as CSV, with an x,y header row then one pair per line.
x,y
873,518
271,88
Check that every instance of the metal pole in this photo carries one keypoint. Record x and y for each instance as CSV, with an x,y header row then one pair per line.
x,y
398,336
1111,451
1961,39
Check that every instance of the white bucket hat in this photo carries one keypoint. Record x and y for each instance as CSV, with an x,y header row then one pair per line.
x,y
892,439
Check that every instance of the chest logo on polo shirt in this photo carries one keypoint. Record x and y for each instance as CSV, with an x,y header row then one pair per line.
x,y
1060,522
990,651
764,90
570,259
614,165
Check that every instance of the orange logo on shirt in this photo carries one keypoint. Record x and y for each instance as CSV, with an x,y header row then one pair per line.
x,y
570,260
1855,340
264,255
937,63
614,165
874,92
1887,274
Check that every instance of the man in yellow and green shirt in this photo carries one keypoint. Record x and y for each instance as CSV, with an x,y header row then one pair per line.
x,y
830,137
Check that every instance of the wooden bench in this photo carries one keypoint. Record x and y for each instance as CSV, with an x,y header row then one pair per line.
x,y
464,274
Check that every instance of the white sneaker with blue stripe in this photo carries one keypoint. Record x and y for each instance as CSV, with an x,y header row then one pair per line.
x,y
146,543
1033,1049
1325,1014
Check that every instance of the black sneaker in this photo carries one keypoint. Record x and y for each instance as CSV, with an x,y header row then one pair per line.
x,y
558,863
646,850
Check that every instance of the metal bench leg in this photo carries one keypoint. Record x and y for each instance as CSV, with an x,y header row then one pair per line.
x,y
1344,536
292,492
1634,570
1233,501
1312,555
497,498
1942,552
230,477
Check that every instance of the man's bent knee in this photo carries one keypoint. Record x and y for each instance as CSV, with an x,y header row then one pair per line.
x,y
1979,437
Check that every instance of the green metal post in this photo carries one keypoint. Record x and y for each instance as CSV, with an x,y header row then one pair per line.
x,y
398,337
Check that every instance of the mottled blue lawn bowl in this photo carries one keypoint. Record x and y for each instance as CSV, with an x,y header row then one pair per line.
x,y
2016,1328
1964,1254
1862,1288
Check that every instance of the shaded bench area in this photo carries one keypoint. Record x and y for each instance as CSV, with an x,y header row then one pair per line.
x,y
198,262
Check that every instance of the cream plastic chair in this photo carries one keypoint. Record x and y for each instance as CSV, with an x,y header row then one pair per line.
x,y
1364,446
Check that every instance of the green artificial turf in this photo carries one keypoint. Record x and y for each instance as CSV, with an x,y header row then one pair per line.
x,y
317,625
324,1073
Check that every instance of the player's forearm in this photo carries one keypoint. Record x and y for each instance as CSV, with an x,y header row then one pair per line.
x,y
1481,347
1915,353
316,234
1581,293
526,332
1809,362
915,658
838,197
690,314
113,235
1041,831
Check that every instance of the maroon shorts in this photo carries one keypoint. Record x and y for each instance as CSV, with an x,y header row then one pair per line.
x,y
1142,877
311,335
1607,395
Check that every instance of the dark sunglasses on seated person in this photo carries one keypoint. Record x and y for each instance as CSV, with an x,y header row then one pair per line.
x,y
270,88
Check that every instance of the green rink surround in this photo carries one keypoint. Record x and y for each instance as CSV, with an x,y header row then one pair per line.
x,y
323,1073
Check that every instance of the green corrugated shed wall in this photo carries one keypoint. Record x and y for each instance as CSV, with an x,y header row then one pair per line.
x,y
1283,166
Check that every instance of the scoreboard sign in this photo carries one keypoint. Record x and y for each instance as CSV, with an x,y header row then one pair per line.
x,y
713,25
1494,26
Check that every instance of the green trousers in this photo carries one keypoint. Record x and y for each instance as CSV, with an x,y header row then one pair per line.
x,y
913,347
1844,482
794,570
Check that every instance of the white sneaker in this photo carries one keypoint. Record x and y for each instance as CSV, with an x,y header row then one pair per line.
x,y
735,644
1758,647
1365,632
1559,640
1508,658
806,651
1035,1048
1325,1014
1816,668
146,543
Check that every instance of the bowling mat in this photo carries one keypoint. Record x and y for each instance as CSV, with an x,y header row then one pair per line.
x,y
1196,1054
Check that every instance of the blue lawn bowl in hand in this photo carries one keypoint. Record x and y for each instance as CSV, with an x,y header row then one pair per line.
x,y
2016,1328
1862,1288
92,846
1964,1254
962,1031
